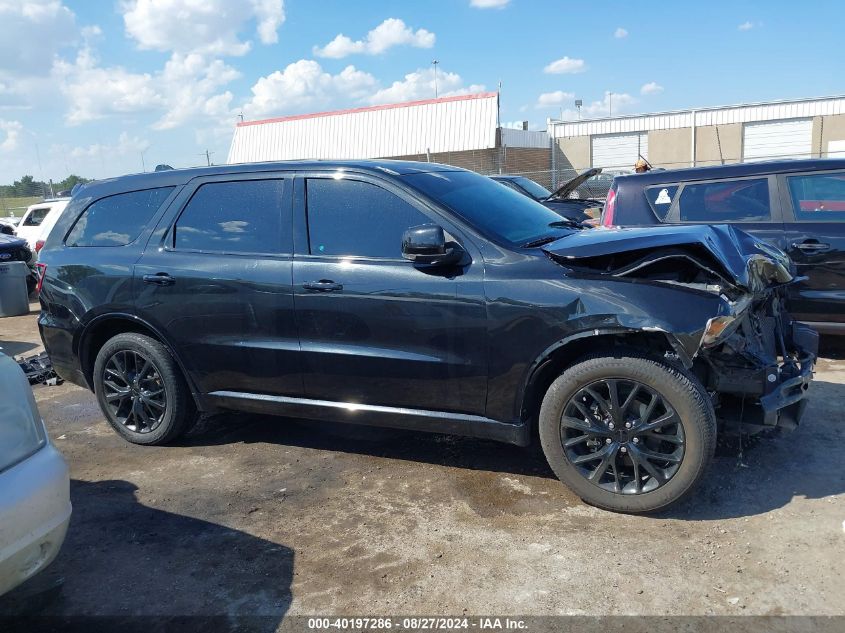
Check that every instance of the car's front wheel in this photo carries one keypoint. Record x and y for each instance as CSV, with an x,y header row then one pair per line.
x,y
627,432
141,391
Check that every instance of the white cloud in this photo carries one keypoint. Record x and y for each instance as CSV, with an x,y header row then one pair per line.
x,y
554,99
651,88
617,103
620,33
201,26
183,90
565,66
94,92
304,85
746,26
489,4
31,33
270,15
420,85
11,134
392,32
124,145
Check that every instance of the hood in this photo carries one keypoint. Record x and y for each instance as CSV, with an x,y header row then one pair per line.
x,y
571,185
11,241
722,250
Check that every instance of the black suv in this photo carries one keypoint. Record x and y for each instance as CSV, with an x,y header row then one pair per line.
x,y
796,205
421,296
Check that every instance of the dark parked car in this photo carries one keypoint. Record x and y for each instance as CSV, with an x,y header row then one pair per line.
x,y
566,201
421,296
15,249
796,205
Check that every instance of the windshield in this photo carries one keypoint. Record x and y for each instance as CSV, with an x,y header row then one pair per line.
x,y
538,191
500,213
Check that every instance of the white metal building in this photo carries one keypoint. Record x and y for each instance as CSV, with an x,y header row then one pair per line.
x,y
448,124
458,130
800,128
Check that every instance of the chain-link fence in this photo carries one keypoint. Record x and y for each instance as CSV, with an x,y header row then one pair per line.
x,y
542,165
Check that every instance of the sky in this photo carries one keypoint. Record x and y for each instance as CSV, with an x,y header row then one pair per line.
x,y
101,88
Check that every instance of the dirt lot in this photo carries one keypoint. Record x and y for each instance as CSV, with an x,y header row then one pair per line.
x,y
272,516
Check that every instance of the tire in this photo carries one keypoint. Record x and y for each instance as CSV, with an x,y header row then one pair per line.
x,y
158,405
631,482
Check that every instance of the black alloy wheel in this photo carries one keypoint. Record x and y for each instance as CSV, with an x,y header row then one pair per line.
x,y
142,391
134,391
622,436
627,431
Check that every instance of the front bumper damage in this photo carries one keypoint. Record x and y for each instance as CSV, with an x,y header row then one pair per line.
x,y
760,375
755,362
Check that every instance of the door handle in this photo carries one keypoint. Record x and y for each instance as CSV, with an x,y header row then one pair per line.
x,y
159,279
811,247
324,285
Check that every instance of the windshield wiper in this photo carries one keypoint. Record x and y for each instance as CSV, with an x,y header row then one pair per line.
x,y
566,223
542,240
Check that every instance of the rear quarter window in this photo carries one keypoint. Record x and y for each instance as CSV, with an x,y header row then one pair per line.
x,y
36,216
726,201
818,197
660,199
117,220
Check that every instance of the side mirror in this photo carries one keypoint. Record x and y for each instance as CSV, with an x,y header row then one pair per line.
x,y
426,245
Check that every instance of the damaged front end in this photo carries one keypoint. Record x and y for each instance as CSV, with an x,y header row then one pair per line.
x,y
755,361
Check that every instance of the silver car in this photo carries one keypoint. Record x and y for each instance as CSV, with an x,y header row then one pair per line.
x,y
34,484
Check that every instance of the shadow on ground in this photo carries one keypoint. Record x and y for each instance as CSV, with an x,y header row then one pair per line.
x,y
745,479
122,559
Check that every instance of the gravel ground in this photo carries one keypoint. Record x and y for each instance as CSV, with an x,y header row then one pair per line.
x,y
258,515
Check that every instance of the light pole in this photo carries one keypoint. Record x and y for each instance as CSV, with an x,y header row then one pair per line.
x,y
143,163
578,104
434,63
609,104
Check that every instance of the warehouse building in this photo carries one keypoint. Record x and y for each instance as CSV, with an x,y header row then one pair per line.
x,y
803,128
458,130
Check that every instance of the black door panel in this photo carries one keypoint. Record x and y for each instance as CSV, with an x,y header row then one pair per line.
x,y
375,329
229,315
814,213
393,335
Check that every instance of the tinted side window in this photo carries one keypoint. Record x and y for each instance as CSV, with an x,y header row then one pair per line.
x,y
117,220
350,217
726,201
660,199
233,217
36,217
818,198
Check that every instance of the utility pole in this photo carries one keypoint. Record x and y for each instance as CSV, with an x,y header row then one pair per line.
x,y
609,104
143,163
208,156
578,104
434,63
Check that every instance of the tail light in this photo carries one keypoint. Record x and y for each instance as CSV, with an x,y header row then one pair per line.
x,y
42,270
609,209
39,245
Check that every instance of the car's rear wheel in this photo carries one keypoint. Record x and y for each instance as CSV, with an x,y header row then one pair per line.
x,y
141,391
628,433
